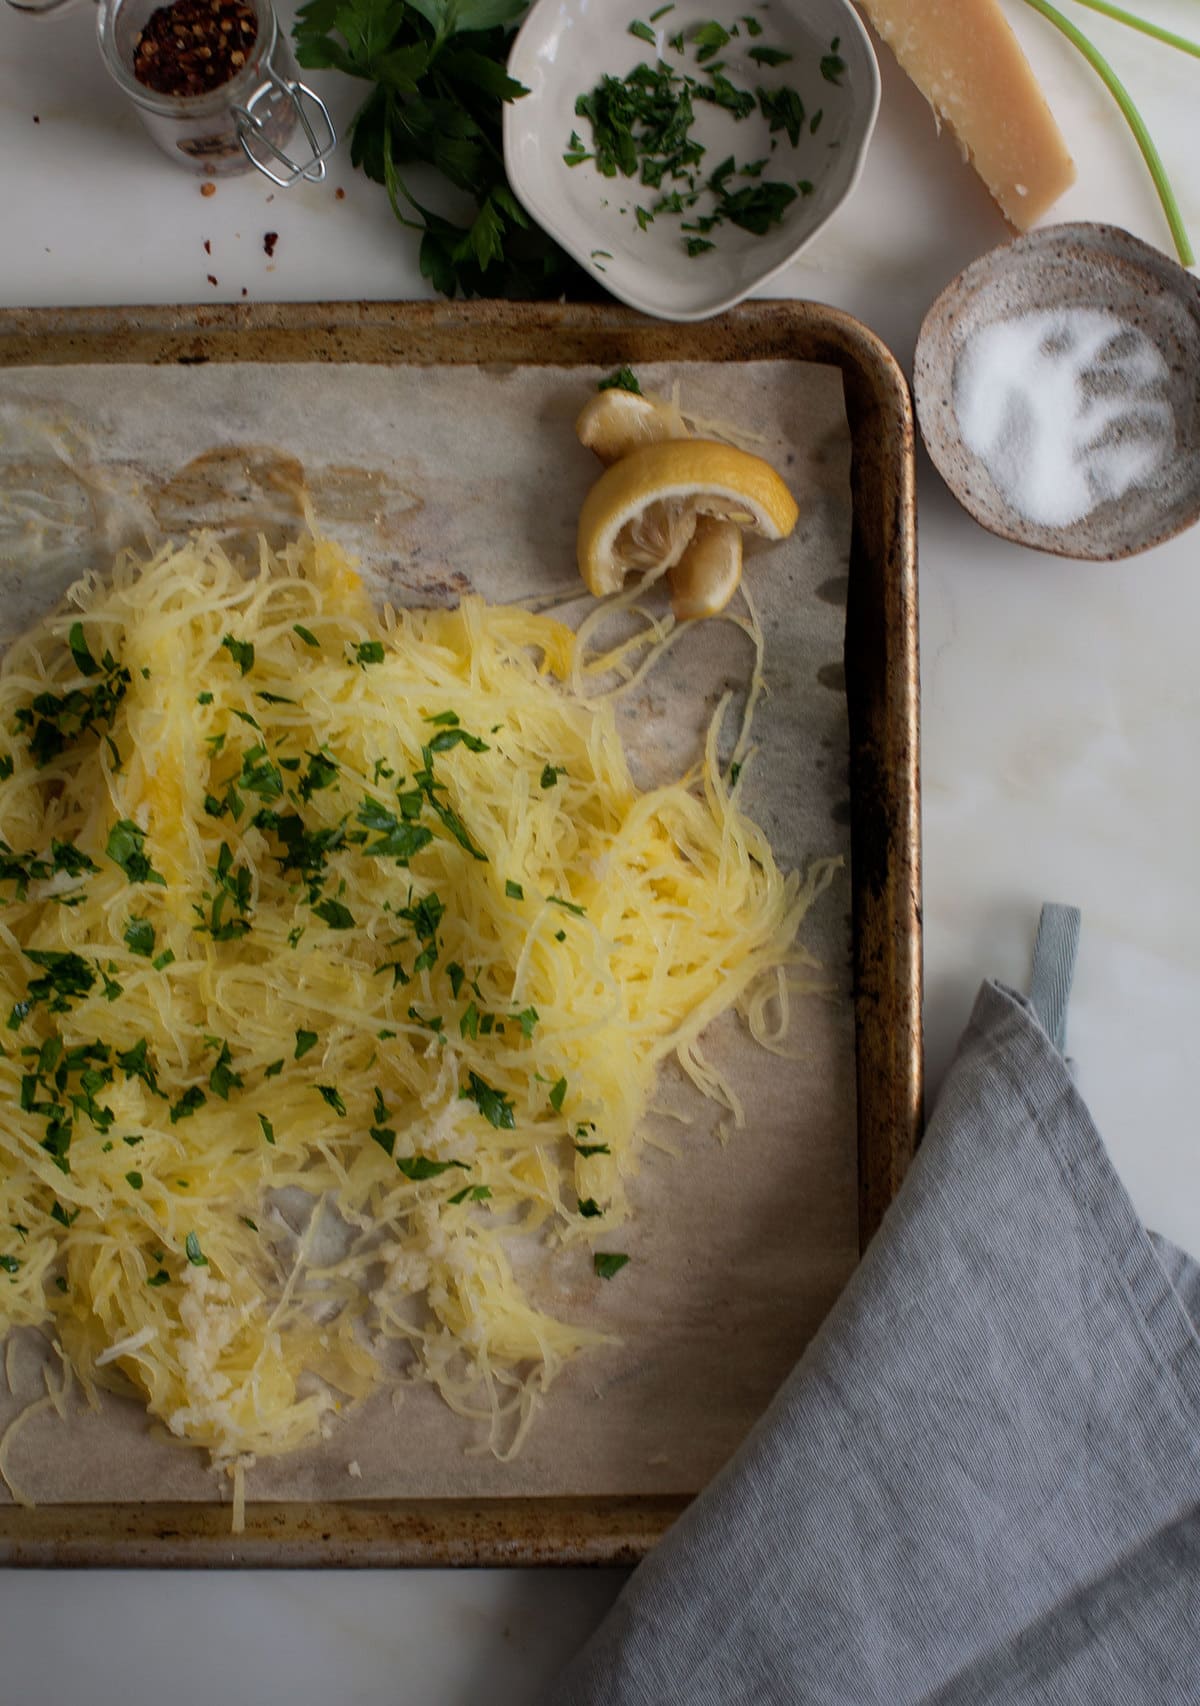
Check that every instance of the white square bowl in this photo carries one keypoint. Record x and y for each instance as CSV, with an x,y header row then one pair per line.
x,y
562,50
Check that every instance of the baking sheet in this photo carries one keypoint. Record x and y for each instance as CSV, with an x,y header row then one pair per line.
x,y
443,479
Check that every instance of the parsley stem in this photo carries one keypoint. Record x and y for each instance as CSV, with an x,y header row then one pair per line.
x,y
392,180
1133,119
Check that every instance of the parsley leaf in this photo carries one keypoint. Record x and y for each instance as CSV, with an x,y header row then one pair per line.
x,y
333,1099
222,1079
337,916
304,1041
418,1167
495,1107
241,651
193,1252
608,1262
139,937
471,1193
126,847
624,379
437,84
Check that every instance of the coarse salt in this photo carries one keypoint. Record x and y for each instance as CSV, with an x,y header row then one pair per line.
x,y
1066,408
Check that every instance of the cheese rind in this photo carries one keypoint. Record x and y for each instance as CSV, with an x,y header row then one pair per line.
x,y
966,61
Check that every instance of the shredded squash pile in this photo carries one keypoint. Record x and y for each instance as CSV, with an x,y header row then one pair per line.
x,y
336,950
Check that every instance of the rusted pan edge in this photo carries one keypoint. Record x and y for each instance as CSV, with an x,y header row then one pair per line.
x,y
883,702
363,1535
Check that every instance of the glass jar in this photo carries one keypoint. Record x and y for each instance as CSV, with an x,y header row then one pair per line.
x,y
249,121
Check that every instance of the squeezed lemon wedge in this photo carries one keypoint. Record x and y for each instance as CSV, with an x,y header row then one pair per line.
x,y
614,422
642,512
707,575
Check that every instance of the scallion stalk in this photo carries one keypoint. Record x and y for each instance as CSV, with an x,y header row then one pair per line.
x,y
1132,116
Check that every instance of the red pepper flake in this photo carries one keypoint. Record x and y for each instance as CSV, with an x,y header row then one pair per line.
x,y
207,247
340,194
36,119
193,46
208,187
245,292
270,238
212,280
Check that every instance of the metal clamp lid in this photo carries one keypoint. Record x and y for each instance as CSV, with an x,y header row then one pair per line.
x,y
253,128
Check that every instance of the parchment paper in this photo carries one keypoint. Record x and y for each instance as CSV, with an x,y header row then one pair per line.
x,y
443,480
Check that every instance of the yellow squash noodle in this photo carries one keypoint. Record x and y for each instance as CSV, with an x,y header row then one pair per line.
x,y
337,950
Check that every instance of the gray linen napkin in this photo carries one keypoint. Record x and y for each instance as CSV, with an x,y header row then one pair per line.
x,y
981,1483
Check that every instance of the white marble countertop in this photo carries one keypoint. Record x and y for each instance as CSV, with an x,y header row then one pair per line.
x,y
1060,715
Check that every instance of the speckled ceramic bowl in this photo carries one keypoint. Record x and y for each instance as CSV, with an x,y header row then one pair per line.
x,y
1050,273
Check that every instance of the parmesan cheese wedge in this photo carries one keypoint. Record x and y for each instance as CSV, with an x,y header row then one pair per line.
x,y
966,61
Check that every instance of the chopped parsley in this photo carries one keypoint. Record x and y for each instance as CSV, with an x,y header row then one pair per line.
x,y
193,1252
369,651
333,913
268,1130
222,1079
642,31
557,1093
332,1098
134,1181
187,1104
624,379
419,1167
471,1193
495,1107
307,635
305,1040
589,1208
397,838
241,651
608,1262
161,1277
126,847
54,721
139,937
514,891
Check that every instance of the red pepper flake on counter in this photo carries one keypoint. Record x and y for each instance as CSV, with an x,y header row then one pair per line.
x,y
193,46
208,187
270,238
212,281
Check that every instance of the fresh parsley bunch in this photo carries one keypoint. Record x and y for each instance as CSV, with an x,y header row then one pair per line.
x,y
438,69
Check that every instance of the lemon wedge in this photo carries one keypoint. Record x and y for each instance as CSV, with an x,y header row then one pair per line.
x,y
614,422
641,514
706,577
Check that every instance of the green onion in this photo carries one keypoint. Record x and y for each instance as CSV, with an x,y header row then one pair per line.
x,y
1132,116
